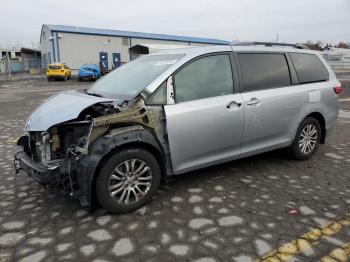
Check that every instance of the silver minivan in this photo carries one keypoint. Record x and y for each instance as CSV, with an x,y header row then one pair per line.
x,y
176,111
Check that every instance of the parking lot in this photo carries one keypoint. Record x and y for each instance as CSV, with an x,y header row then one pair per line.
x,y
263,208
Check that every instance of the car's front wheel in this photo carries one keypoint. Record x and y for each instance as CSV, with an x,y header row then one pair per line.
x,y
307,139
128,180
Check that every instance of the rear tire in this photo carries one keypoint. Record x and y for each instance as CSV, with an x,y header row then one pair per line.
x,y
128,180
49,79
307,139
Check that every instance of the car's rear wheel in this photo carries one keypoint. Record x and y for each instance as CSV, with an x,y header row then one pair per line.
x,y
128,180
49,79
307,139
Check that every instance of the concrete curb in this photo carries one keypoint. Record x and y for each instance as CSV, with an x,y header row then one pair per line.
x,y
26,77
21,77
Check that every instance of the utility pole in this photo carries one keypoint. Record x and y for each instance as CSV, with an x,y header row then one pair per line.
x,y
277,38
8,64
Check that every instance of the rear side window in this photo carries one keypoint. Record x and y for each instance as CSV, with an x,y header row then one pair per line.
x,y
264,71
309,68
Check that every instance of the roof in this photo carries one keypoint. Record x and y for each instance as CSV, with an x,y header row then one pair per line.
x,y
195,51
30,51
109,32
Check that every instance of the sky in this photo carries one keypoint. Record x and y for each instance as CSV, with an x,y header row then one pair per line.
x,y
294,21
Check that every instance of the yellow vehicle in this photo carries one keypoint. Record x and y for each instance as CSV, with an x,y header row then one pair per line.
x,y
58,71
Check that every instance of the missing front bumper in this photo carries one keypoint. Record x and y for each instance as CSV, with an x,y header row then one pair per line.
x,y
44,174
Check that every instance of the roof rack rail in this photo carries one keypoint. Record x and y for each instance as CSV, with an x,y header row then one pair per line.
x,y
270,44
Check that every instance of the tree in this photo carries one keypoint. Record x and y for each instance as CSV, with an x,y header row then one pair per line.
x,y
342,45
314,46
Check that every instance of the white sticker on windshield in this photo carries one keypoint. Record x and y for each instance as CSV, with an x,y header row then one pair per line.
x,y
166,62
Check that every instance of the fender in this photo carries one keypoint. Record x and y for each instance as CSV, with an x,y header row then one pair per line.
x,y
88,165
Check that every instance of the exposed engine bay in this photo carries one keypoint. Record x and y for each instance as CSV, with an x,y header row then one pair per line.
x,y
53,157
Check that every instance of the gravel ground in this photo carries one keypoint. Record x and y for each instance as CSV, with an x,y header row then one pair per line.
x,y
266,206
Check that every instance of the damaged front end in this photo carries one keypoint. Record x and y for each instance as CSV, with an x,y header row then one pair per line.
x,y
67,155
50,157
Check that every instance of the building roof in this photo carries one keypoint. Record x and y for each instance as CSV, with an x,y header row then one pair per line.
x,y
109,32
30,51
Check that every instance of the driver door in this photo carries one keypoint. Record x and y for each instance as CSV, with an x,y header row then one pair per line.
x,y
205,125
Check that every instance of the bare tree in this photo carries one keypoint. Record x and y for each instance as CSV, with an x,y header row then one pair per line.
x,y
342,45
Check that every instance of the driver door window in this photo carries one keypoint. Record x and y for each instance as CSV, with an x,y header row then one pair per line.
x,y
205,77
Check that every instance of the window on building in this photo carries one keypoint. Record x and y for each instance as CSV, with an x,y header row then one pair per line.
x,y
264,71
309,68
125,41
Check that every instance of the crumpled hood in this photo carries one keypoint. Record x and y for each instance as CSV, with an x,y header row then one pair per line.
x,y
59,108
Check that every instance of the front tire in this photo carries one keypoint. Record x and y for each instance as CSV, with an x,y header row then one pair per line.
x,y
307,139
128,180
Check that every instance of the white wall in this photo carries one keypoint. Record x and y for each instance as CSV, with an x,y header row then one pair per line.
x,y
135,41
79,49
201,44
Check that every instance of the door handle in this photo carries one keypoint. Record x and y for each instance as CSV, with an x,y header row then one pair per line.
x,y
253,102
237,104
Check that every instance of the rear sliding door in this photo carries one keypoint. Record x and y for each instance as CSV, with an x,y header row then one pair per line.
x,y
272,103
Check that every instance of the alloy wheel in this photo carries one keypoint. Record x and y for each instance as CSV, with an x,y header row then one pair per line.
x,y
308,139
130,181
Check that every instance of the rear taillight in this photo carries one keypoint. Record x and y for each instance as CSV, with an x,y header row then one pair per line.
x,y
337,89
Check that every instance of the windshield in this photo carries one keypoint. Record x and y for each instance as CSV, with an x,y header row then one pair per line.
x,y
130,79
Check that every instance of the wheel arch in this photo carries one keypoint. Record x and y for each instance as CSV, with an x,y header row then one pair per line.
x,y
105,147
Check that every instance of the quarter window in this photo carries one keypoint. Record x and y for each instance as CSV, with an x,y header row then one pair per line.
x,y
159,96
264,71
309,68
205,77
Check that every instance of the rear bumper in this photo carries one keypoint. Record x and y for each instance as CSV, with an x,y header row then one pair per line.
x,y
55,76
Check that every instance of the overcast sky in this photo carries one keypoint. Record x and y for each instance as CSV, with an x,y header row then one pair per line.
x,y
244,20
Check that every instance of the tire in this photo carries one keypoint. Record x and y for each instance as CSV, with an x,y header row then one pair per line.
x,y
65,78
140,190
310,132
49,79
69,76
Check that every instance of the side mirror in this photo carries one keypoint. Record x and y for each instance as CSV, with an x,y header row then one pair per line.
x,y
170,91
